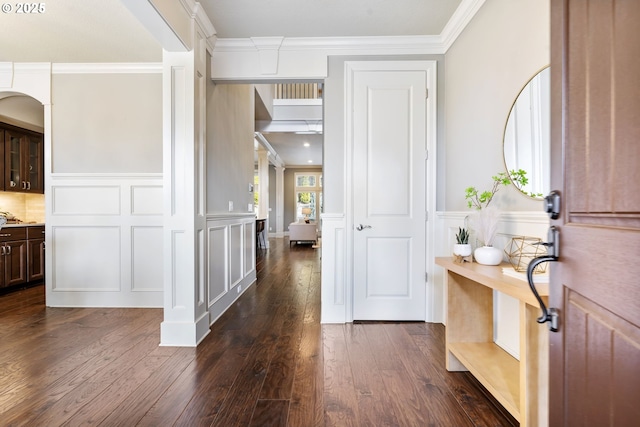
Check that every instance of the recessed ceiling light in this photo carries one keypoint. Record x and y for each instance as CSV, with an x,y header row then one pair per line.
x,y
310,161
306,144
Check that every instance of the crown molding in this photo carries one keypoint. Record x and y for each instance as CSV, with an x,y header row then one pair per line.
x,y
458,22
107,68
371,45
384,45
197,13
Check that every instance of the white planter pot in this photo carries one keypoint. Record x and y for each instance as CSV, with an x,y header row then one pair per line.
x,y
488,255
462,249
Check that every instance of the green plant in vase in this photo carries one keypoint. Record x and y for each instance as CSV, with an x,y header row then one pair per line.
x,y
462,246
485,220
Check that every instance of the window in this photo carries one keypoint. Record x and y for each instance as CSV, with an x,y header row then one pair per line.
x,y
308,190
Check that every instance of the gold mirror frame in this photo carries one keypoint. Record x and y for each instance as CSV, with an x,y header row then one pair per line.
x,y
526,138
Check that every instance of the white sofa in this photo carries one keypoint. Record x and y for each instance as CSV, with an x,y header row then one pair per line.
x,y
303,232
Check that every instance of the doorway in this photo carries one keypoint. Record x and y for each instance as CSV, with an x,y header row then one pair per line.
x,y
22,191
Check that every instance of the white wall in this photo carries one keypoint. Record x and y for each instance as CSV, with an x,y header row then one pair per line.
x,y
28,113
104,189
230,233
505,44
230,158
107,123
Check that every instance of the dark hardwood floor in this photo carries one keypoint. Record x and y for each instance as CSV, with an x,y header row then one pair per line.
x,y
266,362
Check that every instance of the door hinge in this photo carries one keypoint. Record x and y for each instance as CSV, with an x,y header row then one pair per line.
x,y
426,93
426,277
426,216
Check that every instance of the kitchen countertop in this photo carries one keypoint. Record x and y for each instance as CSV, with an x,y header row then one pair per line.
x,y
23,224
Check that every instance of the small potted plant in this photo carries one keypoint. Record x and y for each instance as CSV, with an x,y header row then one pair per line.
x,y
462,246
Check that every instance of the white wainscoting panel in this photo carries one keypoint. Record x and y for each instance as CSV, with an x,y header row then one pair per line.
x,y
506,311
146,200
335,300
87,259
146,250
104,240
86,200
236,253
232,262
218,263
249,248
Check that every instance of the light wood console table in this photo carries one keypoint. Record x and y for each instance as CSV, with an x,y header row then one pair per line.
x,y
520,386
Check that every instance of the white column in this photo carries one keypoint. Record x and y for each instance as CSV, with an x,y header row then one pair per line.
x,y
263,180
186,318
280,201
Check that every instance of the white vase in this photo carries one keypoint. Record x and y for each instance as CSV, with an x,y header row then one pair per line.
x,y
488,255
462,249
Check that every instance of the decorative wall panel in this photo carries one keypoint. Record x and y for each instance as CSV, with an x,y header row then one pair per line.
x,y
86,200
218,263
146,200
87,259
235,253
104,240
146,250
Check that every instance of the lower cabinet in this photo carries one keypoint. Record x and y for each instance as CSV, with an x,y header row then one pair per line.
x,y
21,255
35,253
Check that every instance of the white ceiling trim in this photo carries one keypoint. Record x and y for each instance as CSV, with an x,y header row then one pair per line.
x,y
274,158
459,20
108,68
377,44
384,45
198,13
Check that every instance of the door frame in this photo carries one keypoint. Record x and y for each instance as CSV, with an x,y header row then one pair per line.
x,y
430,67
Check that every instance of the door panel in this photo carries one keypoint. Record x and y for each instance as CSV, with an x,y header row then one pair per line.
x,y
389,195
595,356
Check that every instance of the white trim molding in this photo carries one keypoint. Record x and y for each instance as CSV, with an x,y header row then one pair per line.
x,y
237,59
107,68
335,298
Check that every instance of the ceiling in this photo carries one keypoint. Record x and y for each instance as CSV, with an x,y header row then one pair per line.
x,y
328,18
72,31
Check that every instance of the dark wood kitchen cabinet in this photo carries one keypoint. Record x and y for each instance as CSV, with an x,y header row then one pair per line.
x,y
23,160
21,256
35,253
13,256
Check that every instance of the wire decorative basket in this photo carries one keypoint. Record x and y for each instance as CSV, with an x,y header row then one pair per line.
x,y
522,249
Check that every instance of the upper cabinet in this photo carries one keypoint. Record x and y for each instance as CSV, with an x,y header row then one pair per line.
x,y
23,160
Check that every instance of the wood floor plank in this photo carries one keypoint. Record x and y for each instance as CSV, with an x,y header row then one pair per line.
x,y
133,409
71,370
341,404
82,384
267,361
270,413
307,399
239,405
371,391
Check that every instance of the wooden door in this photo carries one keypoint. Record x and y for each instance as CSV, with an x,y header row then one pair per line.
x,y
389,193
595,356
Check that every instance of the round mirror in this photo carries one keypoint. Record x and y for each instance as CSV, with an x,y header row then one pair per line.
x,y
527,135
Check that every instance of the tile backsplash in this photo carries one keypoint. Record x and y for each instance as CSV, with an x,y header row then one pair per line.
x,y
26,207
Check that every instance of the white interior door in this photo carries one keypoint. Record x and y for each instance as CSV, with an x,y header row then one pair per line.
x,y
389,204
